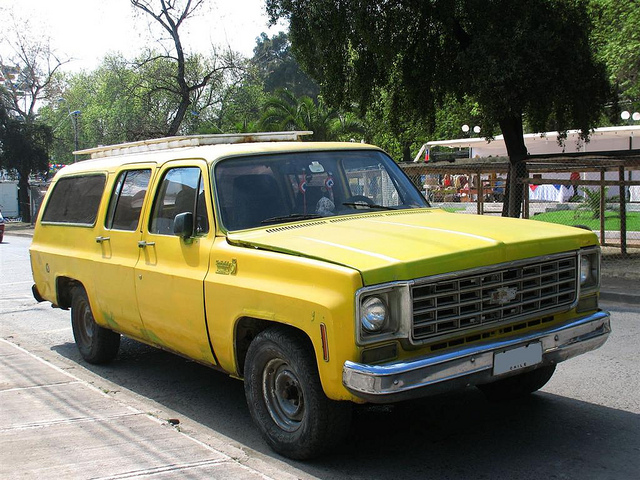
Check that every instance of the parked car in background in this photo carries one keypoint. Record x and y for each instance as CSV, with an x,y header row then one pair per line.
x,y
2,222
315,272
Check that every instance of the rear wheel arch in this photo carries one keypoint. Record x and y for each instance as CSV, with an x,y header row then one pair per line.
x,y
64,291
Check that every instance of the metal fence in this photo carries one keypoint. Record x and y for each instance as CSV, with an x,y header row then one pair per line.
x,y
600,192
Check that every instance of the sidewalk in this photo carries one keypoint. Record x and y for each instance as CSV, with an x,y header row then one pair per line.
x,y
56,425
18,229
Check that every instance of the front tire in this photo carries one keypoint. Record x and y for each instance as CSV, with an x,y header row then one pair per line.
x,y
518,386
96,344
286,399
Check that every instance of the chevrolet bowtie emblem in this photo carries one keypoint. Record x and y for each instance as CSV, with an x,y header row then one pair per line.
x,y
503,295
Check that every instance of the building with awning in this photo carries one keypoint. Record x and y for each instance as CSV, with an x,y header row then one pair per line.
x,y
602,139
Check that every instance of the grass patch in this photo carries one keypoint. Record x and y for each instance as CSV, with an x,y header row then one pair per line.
x,y
570,217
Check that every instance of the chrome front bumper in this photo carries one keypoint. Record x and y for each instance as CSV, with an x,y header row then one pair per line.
x,y
471,365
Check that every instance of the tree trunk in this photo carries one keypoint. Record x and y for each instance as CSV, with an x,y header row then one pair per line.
x,y
177,120
406,153
23,196
516,149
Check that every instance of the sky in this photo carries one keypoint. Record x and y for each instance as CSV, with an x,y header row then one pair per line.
x,y
86,30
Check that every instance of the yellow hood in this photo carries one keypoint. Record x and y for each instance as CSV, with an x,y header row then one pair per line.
x,y
407,244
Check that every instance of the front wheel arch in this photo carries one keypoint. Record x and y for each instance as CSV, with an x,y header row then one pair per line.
x,y
285,396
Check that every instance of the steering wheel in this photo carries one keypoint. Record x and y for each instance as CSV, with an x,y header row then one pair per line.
x,y
358,199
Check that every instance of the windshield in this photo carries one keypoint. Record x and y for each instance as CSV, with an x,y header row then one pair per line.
x,y
264,190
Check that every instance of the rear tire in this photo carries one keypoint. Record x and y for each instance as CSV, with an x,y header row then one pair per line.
x,y
96,344
518,386
286,399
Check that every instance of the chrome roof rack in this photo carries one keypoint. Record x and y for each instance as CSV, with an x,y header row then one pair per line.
x,y
190,141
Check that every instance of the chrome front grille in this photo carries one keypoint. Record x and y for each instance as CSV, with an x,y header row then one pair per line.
x,y
446,305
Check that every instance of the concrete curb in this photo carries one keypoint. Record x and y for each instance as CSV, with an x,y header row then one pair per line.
x,y
617,297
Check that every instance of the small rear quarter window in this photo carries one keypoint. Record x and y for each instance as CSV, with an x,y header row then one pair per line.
x,y
75,200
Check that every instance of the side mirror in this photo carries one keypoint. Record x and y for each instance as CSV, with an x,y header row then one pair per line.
x,y
183,225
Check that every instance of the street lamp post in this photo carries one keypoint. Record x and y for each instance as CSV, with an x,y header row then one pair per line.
x,y
466,130
74,121
635,116
629,117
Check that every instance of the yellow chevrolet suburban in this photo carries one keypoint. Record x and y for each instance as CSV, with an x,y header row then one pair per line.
x,y
315,272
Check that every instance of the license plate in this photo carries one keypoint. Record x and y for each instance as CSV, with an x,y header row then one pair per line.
x,y
517,358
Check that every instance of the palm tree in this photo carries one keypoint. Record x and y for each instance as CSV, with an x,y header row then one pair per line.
x,y
285,111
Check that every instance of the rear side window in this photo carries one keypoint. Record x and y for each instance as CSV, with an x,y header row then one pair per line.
x,y
126,200
75,200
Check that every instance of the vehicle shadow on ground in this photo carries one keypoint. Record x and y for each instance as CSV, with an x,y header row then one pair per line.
x,y
454,436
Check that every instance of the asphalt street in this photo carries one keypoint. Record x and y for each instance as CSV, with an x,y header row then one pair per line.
x,y
150,414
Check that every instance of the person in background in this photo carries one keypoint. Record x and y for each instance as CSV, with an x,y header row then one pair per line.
x,y
498,190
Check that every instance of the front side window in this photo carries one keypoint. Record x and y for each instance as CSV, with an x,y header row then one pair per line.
x,y
261,190
75,200
126,201
181,190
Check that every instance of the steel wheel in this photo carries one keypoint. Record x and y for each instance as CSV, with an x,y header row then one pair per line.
x,y
95,343
86,323
283,396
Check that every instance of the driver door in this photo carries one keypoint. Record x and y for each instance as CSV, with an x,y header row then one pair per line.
x,y
171,270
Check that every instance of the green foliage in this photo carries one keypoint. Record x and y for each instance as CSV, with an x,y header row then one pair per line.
x,y
240,106
123,101
23,145
117,103
612,220
591,203
279,69
617,37
24,148
285,111
510,57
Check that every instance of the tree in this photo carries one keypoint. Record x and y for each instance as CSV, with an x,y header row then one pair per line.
x,y
117,104
617,37
285,111
24,147
240,107
279,69
529,60
28,75
182,75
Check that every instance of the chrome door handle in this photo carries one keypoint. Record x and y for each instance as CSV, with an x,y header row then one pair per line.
x,y
102,239
142,244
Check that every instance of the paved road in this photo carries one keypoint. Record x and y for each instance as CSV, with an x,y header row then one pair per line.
x,y
585,424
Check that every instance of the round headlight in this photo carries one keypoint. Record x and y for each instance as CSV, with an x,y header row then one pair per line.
x,y
585,270
374,314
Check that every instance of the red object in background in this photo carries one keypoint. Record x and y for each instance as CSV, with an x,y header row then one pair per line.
x,y
426,155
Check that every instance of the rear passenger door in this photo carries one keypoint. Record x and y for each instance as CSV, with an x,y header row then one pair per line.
x,y
117,241
171,270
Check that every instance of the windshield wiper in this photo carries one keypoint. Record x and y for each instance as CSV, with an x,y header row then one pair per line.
x,y
292,218
368,205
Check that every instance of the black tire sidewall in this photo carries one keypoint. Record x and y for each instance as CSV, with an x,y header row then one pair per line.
x,y
317,427
104,344
518,386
